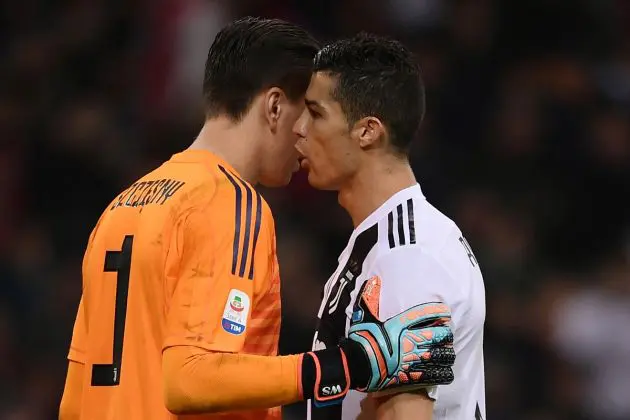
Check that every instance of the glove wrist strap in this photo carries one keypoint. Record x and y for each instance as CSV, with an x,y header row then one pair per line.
x,y
325,376
358,364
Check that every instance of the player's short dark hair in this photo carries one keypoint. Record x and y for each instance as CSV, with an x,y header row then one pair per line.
x,y
252,54
377,77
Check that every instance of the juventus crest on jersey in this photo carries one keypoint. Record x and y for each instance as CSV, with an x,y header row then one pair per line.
x,y
421,256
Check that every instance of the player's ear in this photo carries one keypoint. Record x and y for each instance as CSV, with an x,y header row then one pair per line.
x,y
368,131
273,106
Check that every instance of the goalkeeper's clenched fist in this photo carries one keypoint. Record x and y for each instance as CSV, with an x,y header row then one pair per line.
x,y
411,350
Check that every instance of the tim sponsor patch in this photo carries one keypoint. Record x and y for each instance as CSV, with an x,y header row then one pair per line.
x,y
235,313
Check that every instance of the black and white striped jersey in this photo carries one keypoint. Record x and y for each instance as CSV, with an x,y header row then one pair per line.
x,y
421,256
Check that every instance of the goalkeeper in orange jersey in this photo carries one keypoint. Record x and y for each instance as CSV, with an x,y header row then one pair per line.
x,y
180,311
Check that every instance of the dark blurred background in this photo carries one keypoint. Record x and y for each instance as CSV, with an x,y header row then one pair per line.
x,y
526,145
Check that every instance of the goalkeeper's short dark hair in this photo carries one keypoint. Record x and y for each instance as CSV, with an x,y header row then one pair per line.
x,y
252,54
377,76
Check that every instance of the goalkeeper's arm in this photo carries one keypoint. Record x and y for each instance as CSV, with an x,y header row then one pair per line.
x,y
199,381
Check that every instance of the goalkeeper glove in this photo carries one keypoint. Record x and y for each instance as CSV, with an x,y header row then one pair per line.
x,y
411,350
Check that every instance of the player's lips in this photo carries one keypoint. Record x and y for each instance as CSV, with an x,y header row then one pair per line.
x,y
303,161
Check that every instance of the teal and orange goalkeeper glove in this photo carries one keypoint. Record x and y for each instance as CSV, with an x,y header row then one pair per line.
x,y
411,350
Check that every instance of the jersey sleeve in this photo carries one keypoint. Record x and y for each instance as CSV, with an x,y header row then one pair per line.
x,y
223,250
410,277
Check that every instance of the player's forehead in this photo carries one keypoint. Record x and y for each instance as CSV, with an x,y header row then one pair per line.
x,y
320,94
321,86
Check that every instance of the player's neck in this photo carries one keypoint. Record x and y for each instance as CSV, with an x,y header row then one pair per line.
x,y
373,185
232,142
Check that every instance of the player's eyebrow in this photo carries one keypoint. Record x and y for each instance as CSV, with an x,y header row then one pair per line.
x,y
310,102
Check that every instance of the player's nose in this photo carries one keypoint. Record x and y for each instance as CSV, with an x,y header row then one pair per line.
x,y
299,128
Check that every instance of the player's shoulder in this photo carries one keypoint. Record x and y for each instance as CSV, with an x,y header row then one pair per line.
x,y
208,180
424,249
233,189
167,186
222,195
411,223
194,190
414,233
422,255
436,232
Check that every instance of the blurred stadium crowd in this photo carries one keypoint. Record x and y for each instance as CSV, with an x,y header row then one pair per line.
x,y
526,145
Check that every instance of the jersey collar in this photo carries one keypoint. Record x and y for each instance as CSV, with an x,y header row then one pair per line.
x,y
374,217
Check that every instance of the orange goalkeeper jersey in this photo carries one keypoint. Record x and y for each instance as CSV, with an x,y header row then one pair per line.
x,y
184,256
